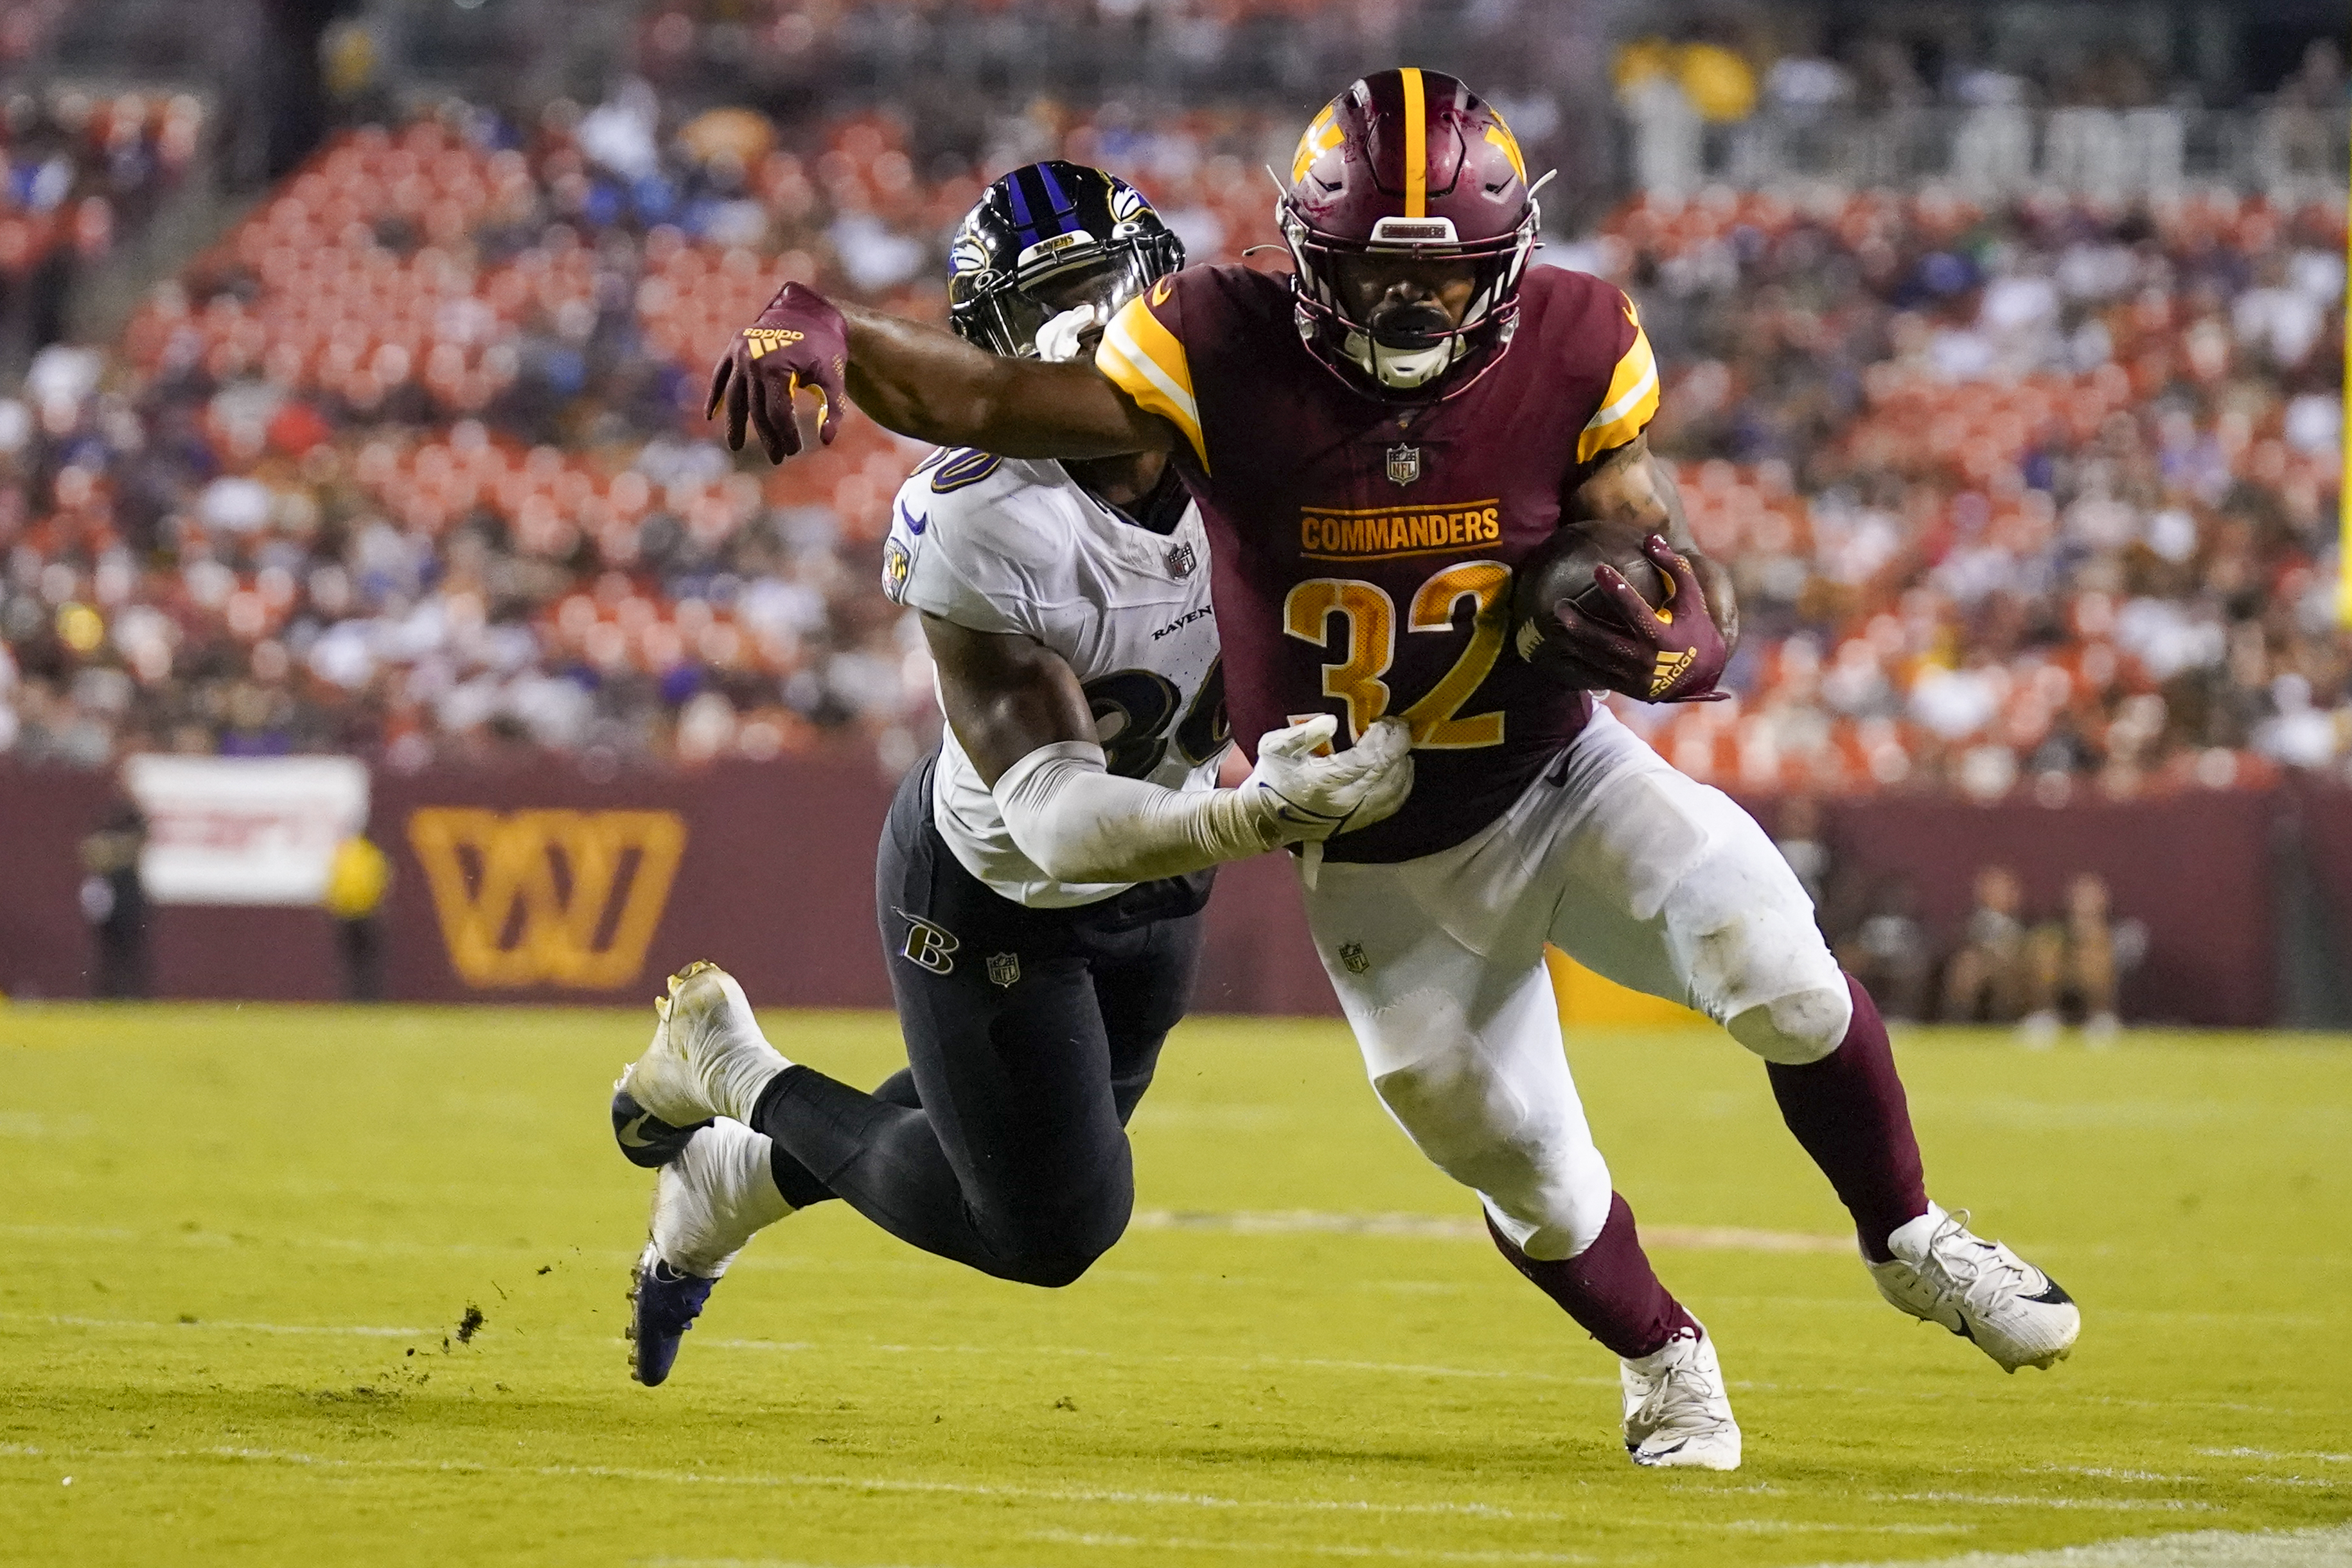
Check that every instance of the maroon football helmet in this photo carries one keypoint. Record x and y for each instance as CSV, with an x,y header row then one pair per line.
x,y
1408,163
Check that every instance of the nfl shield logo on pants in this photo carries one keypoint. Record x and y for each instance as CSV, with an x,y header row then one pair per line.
x,y
1404,463
1003,969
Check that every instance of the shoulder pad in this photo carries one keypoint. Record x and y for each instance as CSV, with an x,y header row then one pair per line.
x,y
954,468
967,551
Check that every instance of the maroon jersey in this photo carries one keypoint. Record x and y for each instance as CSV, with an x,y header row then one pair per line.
x,y
1362,550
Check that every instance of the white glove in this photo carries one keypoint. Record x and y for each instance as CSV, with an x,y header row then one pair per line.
x,y
1059,339
1315,797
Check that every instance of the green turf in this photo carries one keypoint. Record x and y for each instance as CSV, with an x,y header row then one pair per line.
x,y
236,1239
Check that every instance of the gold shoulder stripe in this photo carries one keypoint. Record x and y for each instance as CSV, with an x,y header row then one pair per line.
x,y
1631,402
1416,146
1143,359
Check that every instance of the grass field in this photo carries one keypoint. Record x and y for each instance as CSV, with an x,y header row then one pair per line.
x,y
240,1245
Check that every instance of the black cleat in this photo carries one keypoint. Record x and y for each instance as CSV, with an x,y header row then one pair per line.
x,y
645,1139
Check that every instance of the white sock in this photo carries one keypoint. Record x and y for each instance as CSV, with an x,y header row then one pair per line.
x,y
753,1180
1909,1241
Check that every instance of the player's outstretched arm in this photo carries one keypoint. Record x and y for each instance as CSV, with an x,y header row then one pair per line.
x,y
917,381
1019,714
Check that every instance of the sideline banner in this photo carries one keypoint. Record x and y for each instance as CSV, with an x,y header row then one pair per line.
x,y
534,883
244,829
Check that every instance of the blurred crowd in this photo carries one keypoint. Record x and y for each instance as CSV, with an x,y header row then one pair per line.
x,y
2042,494
2032,494
413,464
2080,106
79,173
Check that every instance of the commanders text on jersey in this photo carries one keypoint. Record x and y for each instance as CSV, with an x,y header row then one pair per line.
x,y
1333,535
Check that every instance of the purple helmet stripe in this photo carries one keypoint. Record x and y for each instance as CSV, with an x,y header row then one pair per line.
x,y
1021,219
1063,208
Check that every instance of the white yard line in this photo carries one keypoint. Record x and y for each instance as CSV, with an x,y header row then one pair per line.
x,y
361,1331
755,1562
1312,1549
1118,1498
1455,1227
1090,1496
2329,1547
1244,1222
2103,1504
1254,1362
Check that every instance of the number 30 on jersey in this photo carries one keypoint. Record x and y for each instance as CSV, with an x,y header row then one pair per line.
x,y
1358,680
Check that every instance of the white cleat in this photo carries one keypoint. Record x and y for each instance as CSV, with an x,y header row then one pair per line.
x,y
1676,1412
1980,1290
708,1057
708,1203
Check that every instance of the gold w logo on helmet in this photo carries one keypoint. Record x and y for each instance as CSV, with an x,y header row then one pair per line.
x,y
1323,134
547,897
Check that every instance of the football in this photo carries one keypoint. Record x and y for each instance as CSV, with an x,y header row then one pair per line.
x,y
1560,572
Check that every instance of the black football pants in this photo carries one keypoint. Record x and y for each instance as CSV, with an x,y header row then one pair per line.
x,y
1031,1035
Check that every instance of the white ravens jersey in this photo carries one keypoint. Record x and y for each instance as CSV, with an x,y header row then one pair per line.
x,y
1016,548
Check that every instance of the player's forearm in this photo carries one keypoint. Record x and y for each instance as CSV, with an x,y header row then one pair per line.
x,y
933,385
918,381
1722,598
1713,576
1079,824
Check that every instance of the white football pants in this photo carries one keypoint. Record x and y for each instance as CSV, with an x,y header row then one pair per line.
x,y
1637,872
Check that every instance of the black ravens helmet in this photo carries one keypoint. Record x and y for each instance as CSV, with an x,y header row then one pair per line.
x,y
1046,239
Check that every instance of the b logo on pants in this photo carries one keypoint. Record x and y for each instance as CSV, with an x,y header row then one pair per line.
x,y
932,946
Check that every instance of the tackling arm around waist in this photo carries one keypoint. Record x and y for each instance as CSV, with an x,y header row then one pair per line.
x,y
1021,716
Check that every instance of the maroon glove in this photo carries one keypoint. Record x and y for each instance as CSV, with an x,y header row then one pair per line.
x,y
799,341
1674,653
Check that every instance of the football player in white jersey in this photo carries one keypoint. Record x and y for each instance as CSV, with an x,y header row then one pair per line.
x,y
1041,879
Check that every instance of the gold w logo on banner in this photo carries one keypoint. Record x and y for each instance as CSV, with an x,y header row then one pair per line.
x,y
547,897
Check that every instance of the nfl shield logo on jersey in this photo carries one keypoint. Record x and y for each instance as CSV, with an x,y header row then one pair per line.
x,y
1181,559
1404,463
1003,969
1351,954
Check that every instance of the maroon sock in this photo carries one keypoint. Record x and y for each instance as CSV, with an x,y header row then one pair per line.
x,y
1848,1111
1609,1288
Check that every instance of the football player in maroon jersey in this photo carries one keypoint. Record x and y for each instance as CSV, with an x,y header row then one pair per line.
x,y
1376,441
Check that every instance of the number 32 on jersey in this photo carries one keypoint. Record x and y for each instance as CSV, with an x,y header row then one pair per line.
x,y
1358,680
